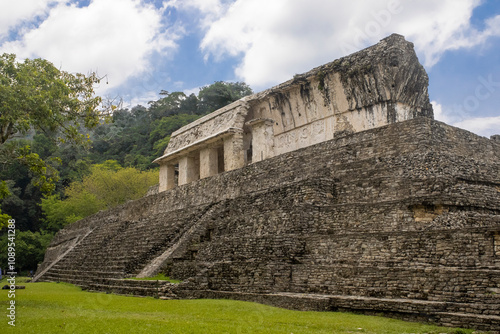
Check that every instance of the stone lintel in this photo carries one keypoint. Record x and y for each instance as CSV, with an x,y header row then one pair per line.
x,y
236,104
196,146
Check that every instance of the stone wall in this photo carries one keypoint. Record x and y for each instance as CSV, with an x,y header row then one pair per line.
x,y
402,219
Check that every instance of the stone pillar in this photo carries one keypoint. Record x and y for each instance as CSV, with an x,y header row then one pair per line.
x,y
167,177
209,162
188,169
234,155
262,139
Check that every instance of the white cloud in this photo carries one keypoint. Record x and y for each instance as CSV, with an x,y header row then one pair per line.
x,y
439,114
485,126
15,13
445,25
143,99
279,38
113,37
203,11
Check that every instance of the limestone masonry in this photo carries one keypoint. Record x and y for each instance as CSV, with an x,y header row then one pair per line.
x,y
333,191
377,86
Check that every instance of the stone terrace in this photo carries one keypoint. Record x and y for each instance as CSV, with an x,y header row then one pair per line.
x,y
402,219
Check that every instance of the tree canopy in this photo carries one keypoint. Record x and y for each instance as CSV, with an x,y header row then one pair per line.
x,y
35,95
107,186
220,94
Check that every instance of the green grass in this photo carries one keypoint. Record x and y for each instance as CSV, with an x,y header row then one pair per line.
x,y
159,277
63,308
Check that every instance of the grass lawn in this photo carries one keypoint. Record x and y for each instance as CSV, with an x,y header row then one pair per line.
x,y
63,308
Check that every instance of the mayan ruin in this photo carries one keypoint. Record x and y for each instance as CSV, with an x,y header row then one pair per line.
x,y
335,190
381,85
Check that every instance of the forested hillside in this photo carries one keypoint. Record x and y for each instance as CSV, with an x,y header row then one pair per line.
x,y
116,166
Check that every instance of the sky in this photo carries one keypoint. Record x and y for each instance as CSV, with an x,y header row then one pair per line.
x,y
141,47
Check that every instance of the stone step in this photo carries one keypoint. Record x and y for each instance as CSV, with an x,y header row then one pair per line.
x,y
73,277
99,256
483,322
55,279
82,272
136,282
146,291
110,274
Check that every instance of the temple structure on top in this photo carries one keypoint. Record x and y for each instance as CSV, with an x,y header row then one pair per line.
x,y
380,85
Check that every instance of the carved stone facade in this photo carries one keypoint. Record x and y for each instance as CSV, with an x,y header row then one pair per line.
x,y
374,87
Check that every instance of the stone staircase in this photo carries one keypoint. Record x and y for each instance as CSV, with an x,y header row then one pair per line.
x,y
184,242
120,250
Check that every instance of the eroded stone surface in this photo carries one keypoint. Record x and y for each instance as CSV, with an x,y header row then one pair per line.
x,y
402,219
380,85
